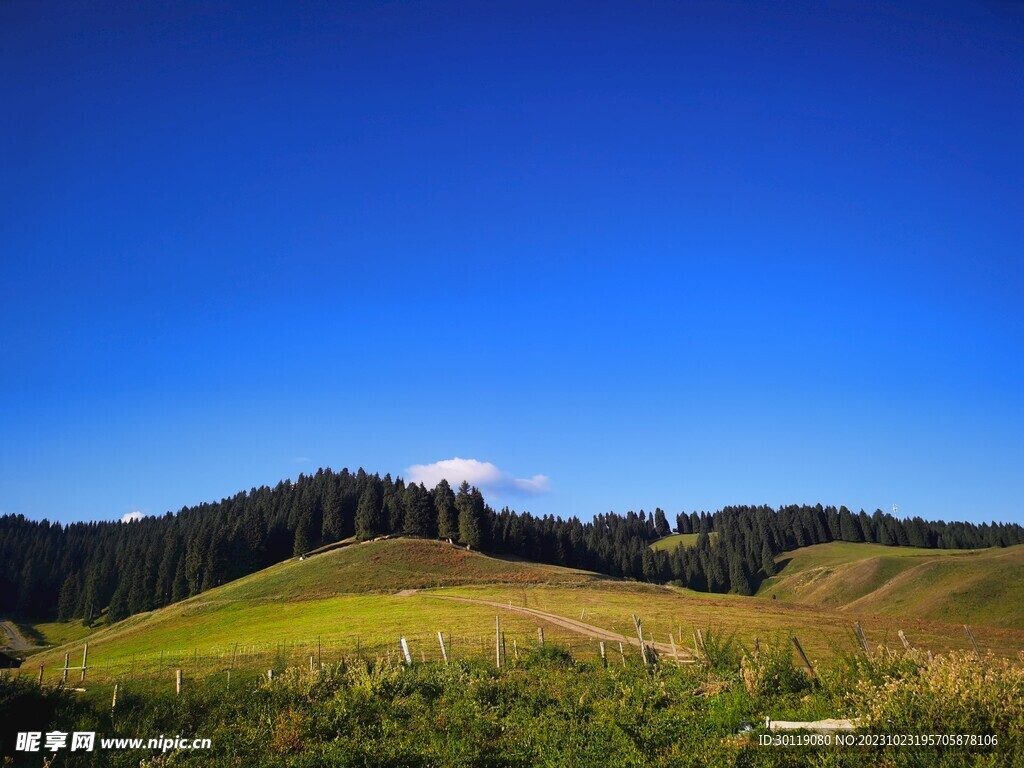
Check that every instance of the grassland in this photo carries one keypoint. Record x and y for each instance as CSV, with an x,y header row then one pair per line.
x,y
547,707
670,542
52,633
982,587
369,595
669,610
330,602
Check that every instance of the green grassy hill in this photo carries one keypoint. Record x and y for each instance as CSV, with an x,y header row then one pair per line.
x,y
673,540
358,593
964,586
366,596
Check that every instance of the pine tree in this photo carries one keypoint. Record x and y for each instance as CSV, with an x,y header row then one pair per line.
x,y
648,566
394,508
69,597
848,528
302,536
739,577
331,506
767,560
368,513
179,588
447,514
661,526
118,608
420,517
470,506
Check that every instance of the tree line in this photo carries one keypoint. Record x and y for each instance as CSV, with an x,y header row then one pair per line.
x,y
82,570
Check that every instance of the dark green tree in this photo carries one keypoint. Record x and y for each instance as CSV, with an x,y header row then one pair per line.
x,y
420,517
661,526
368,514
767,560
447,514
471,512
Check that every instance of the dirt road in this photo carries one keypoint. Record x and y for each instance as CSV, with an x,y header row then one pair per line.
x,y
560,621
15,641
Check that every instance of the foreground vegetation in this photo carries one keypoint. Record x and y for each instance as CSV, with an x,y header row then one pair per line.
x,y
547,708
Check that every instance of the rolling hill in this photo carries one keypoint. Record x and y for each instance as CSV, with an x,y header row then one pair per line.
x,y
366,596
673,540
964,586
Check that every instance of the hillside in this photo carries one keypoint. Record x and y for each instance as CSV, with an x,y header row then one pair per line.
x,y
366,596
358,591
670,542
963,586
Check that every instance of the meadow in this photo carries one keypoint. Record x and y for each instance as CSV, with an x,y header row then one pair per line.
x,y
362,598
981,587
547,707
674,540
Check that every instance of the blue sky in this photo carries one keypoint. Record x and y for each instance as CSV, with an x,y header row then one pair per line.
x,y
675,254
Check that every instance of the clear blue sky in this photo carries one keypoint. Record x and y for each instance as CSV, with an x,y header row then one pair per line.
x,y
675,254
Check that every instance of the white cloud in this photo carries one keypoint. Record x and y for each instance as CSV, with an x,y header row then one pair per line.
x,y
131,517
535,484
482,474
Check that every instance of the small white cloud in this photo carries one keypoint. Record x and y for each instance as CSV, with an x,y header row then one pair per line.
x,y
535,484
131,517
482,474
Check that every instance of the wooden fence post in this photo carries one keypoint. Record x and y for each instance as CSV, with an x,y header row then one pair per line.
x,y
640,633
540,634
85,658
622,653
497,642
803,656
40,675
903,639
444,651
66,657
270,675
177,682
405,650
604,659
113,701
970,635
863,639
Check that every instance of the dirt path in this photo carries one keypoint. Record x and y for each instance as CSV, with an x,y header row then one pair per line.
x,y
570,624
15,641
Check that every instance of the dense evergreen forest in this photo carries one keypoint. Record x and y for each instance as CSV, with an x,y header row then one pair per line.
x,y
82,569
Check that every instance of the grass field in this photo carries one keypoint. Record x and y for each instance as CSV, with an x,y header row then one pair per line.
x,y
666,610
670,542
363,594
984,587
345,596
53,633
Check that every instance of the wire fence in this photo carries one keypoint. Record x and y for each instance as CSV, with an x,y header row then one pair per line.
x,y
312,652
